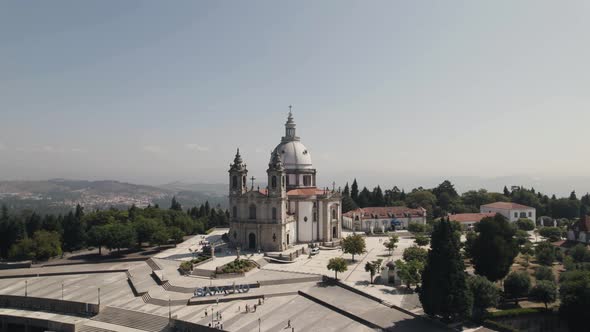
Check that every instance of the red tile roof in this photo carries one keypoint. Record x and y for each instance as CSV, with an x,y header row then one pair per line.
x,y
469,217
506,206
386,212
306,192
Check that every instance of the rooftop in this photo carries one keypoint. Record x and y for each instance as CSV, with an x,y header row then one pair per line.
x,y
469,217
386,212
506,206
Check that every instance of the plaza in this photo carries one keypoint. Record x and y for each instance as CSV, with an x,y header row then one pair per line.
x,y
153,295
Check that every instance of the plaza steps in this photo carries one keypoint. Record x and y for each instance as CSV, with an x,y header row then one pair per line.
x,y
153,264
133,319
87,328
316,278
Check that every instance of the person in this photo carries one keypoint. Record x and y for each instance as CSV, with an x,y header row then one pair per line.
x,y
206,312
289,323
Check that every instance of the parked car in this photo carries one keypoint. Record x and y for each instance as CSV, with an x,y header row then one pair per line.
x,y
315,251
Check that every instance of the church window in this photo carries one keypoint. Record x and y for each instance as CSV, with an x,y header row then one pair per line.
x,y
234,182
244,181
356,218
274,213
305,219
273,181
334,214
235,212
274,237
307,180
283,181
315,216
252,211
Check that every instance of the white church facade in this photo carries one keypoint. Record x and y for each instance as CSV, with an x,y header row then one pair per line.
x,y
291,209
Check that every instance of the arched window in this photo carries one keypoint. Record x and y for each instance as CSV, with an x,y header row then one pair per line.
x,y
334,214
252,211
234,182
244,181
283,180
274,213
356,218
235,212
273,182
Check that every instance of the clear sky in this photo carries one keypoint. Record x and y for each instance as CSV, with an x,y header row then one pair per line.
x,y
152,91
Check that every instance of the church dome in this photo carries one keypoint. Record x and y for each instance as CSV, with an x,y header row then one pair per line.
x,y
294,155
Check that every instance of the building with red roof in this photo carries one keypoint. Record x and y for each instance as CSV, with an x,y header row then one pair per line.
x,y
382,219
580,230
468,220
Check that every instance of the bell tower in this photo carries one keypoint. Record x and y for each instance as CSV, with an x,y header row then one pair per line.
x,y
276,176
237,176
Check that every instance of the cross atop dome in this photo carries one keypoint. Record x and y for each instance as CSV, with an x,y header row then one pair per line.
x,y
290,127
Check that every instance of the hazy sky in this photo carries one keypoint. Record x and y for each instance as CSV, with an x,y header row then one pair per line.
x,y
152,91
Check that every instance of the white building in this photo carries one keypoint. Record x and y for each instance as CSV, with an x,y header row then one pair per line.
x,y
381,219
290,210
512,211
580,231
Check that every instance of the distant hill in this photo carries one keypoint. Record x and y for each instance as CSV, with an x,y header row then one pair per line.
x,y
61,195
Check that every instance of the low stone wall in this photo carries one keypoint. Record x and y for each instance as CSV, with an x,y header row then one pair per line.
x,y
51,305
290,281
15,265
28,322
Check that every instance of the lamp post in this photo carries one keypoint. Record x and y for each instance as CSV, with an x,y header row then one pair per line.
x,y
26,284
99,296
258,324
62,291
169,310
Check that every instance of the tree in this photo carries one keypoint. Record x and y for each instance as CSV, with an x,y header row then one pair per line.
x,y
364,198
421,240
47,245
337,264
415,254
23,249
354,245
391,243
551,233
119,235
422,198
506,192
176,235
348,204
97,236
409,271
525,224
579,253
517,284
144,229
574,295
175,205
346,191
573,196
160,236
373,267
484,293
544,291
74,234
544,273
470,237
565,208
545,253
522,237
494,249
354,191
416,227
444,290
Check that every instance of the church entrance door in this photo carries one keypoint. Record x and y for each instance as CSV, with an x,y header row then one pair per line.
x,y
252,241
334,232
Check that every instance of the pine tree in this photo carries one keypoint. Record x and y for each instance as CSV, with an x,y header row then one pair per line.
x,y
506,192
377,198
175,205
346,191
573,196
354,191
444,289
402,196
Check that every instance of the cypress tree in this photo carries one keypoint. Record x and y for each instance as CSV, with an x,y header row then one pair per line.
x,y
444,290
354,191
346,191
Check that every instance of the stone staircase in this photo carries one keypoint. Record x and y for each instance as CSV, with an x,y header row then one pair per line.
x,y
87,328
153,264
133,319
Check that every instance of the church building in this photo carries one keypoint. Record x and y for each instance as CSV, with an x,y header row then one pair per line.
x,y
291,209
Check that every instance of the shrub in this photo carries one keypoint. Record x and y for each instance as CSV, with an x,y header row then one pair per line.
x,y
551,233
186,266
525,224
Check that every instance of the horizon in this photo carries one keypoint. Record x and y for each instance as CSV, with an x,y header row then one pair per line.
x,y
390,94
